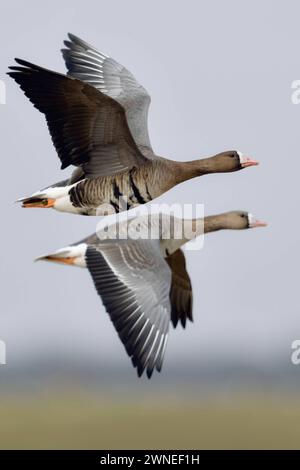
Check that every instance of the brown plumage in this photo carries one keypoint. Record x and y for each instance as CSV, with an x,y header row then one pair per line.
x,y
97,118
181,295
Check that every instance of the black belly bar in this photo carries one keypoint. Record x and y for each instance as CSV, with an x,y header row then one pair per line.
x,y
135,190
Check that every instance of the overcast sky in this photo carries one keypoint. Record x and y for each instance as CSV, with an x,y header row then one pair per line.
x,y
220,75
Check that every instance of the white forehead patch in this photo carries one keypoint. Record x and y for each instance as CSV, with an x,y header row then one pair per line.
x,y
250,219
240,154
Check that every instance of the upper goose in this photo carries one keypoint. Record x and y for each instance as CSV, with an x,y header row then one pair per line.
x,y
97,117
144,283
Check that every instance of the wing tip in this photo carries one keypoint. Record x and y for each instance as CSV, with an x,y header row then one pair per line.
x,y
149,373
24,66
139,370
73,37
25,63
77,41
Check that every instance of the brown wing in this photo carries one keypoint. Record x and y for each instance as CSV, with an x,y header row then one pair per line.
x,y
181,295
88,128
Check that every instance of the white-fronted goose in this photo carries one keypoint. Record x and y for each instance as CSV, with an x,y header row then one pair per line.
x,y
143,283
97,118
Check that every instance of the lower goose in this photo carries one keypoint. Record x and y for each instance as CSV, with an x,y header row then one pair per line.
x,y
143,283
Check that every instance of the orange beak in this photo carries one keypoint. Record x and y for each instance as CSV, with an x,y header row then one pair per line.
x,y
57,259
42,203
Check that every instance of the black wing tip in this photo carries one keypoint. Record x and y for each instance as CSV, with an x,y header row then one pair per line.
x,y
17,74
76,40
141,368
20,61
182,317
67,48
174,320
149,373
14,69
139,371
25,63
72,37
70,43
188,317
23,67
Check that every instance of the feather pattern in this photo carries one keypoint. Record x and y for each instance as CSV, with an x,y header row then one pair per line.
x,y
134,281
84,62
88,128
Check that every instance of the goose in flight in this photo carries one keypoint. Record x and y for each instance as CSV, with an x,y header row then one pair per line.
x,y
143,282
97,118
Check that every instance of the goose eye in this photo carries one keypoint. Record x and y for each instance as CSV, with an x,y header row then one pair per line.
x,y
243,215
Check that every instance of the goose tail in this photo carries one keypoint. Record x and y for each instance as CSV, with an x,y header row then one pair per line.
x,y
41,201
45,198
72,255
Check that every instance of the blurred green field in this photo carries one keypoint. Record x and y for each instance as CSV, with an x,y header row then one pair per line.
x,y
64,420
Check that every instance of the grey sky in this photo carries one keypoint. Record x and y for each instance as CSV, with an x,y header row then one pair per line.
x,y
219,74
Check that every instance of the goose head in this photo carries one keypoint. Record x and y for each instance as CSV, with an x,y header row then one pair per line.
x,y
239,220
231,160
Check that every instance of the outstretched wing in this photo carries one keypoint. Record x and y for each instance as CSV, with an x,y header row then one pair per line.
x,y
84,62
88,128
181,294
133,280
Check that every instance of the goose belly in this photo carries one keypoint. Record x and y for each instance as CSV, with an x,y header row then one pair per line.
x,y
111,194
